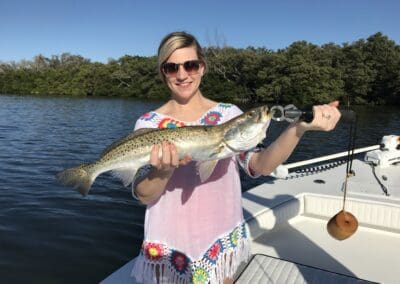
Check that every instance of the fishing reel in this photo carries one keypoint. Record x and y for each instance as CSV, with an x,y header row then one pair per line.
x,y
291,113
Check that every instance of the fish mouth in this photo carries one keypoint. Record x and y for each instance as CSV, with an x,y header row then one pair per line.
x,y
264,114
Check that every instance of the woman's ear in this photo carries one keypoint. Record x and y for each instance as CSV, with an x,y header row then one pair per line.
x,y
202,69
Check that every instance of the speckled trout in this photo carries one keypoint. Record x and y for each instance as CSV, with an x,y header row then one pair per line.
x,y
204,144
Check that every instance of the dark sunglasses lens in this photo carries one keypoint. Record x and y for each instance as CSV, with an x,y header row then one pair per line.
x,y
191,66
170,68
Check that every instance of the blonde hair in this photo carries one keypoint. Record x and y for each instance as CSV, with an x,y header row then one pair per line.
x,y
174,41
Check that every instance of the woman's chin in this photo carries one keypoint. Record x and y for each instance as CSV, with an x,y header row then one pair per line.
x,y
185,94
187,88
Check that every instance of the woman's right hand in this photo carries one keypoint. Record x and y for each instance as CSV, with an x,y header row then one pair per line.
x,y
153,185
169,160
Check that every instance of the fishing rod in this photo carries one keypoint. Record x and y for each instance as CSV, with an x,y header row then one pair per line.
x,y
291,113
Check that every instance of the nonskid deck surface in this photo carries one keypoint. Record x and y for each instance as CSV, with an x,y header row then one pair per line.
x,y
264,269
369,254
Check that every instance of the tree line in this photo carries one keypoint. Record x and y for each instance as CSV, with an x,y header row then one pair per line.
x,y
366,71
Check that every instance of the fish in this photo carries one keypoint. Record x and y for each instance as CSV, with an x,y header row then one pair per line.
x,y
206,145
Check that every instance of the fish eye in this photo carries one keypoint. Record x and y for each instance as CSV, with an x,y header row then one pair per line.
x,y
251,114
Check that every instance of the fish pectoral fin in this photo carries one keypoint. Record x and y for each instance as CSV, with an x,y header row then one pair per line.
x,y
205,169
217,151
126,174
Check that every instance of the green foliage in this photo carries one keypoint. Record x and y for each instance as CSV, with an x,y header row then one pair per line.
x,y
366,71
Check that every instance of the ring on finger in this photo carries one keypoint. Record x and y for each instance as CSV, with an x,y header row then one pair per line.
x,y
327,116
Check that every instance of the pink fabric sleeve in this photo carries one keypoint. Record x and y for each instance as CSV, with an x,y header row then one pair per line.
x,y
244,161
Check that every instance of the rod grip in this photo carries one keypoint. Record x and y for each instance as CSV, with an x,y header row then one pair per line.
x,y
347,115
304,115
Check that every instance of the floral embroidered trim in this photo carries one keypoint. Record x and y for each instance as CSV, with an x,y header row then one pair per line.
x,y
170,123
148,116
200,275
153,251
211,118
179,262
225,105
233,237
225,254
212,254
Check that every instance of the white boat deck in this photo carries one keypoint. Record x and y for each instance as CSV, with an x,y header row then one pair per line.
x,y
286,222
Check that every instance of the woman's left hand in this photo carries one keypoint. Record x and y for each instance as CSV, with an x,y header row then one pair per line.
x,y
325,117
265,161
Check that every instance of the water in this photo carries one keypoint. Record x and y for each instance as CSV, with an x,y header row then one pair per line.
x,y
49,233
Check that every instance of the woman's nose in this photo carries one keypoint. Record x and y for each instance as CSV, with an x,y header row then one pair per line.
x,y
181,74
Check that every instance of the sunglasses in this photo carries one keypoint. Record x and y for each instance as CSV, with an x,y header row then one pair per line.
x,y
191,67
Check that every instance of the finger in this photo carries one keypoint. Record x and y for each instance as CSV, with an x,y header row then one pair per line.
x,y
335,117
331,116
338,113
185,160
335,113
166,154
174,156
317,110
334,103
321,117
330,112
154,156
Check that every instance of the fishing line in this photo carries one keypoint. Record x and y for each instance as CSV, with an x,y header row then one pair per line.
x,y
344,224
350,155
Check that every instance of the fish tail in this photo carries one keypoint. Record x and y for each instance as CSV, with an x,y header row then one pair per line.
x,y
80,178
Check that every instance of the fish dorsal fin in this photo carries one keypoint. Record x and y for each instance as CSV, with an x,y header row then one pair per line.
x,y
128,137
141,131
205,169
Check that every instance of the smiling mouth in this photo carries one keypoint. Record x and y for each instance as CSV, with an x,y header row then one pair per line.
x,y
183,84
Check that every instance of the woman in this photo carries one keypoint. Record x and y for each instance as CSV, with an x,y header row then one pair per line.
x,y
194,231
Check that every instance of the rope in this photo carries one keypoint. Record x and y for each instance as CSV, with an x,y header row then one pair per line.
x,y
350,156
383,187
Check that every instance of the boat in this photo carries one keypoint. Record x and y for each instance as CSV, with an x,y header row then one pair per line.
x,y
287,218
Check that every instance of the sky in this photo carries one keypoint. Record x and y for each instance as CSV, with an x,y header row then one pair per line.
x,y
100,30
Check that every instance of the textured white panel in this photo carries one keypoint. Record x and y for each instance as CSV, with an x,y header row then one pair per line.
x,y
264,269
369,213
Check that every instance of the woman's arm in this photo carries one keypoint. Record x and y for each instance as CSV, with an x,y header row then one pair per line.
x,y
325,119
153,185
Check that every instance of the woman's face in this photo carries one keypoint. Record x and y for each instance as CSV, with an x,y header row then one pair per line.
x,y
184,84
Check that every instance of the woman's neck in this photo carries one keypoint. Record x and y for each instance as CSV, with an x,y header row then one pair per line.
x,y
187,110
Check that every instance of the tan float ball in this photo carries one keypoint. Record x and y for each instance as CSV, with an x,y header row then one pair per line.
x,y
342,225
